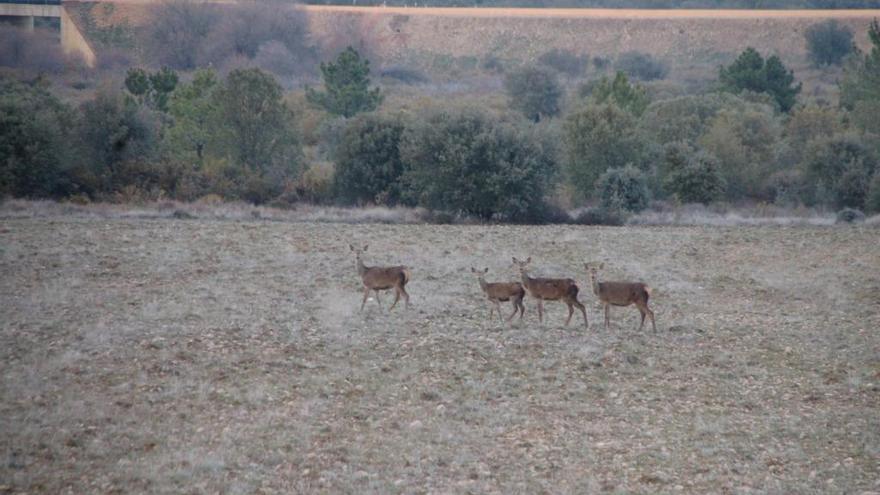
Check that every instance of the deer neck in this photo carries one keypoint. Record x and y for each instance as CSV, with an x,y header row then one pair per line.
x,y
526,281
361,268
595,281
483,284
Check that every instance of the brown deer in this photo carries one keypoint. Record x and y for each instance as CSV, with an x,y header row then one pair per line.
x,y
378,278
502,292
551,289
620,294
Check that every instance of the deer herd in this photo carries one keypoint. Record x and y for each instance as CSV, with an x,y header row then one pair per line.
x,y
378,278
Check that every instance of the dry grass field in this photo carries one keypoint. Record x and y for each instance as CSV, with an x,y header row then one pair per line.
x,y
207,356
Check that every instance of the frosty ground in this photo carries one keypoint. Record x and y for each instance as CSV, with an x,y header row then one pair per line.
x,y
192,356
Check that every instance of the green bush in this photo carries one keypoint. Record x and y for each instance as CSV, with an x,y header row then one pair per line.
x,y
368,164
828,42
786,187
601,216
623,189
630,97
534,91
838,169
750,72
872,201
641,66
471,163
596,138
346,86
696,180
850,215
565,61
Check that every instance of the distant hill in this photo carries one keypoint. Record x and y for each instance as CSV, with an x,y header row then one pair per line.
x,y
623,4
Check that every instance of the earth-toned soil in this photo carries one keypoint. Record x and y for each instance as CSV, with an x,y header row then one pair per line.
x,y
196,356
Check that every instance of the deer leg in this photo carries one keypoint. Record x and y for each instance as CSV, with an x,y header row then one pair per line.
x,y
515,305
607,316
540,310
491,309
584,311
378,301
498,309
405,296
522,308
650,314
396,298
570,312
366,295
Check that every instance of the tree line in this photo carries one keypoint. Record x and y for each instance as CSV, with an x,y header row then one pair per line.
x,y
240,137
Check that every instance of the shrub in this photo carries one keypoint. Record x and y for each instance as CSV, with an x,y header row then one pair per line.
x,y
404,75
178,30
686,118
565,61
474,164
534,91
315,185
641,66
828,42
872,201
596,138
850,215
630,97
601,216
368,163
697,180
623,189
838,169
786,187
750,72
346,86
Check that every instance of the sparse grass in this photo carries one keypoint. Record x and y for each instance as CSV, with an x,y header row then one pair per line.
x,y
177,356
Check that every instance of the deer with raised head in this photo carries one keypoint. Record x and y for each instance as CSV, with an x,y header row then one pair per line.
x,y
620,294
551,289
500,292
378,278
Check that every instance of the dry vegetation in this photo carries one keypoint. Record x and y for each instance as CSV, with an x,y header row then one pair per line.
x,y
192,356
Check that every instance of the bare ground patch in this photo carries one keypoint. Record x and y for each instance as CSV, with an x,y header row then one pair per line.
x,y
169,356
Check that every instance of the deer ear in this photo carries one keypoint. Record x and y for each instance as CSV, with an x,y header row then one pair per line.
x,y
514,260
529,259
473,270
602,265
366,246
351,247
486,270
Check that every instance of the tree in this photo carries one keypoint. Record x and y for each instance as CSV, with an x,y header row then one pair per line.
x,y
347,86
195,117
623,189
596,138
151,89
35,159
469,162
641,66
750,72
534,91
692,176
630,97
368,163
258,127
860,86
838,170
828,42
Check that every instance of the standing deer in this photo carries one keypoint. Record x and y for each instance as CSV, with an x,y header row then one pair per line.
x,y
502,292
551,289
620,294
378,278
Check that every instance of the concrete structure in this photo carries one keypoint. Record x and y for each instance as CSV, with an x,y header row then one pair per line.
x,y
23,12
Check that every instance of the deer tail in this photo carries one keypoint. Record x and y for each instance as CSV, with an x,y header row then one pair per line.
x,y
406,275
648,289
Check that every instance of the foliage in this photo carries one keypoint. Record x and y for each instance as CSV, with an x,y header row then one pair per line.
x,y
114,130
368,163
178,31
195,117
838,169
750,72
534,91
850,215
686,118
860,86
641,66
623,189
258,127
630,97
471,163
745,142
828,42
346,86
152,89
596,138
692,176
601,216
872,200
565,61
34,136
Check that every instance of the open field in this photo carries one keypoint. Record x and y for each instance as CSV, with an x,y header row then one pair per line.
x,y
194,356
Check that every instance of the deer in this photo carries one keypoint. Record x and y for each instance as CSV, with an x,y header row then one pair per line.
x,y
551,289
620,294
378,278
499,292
